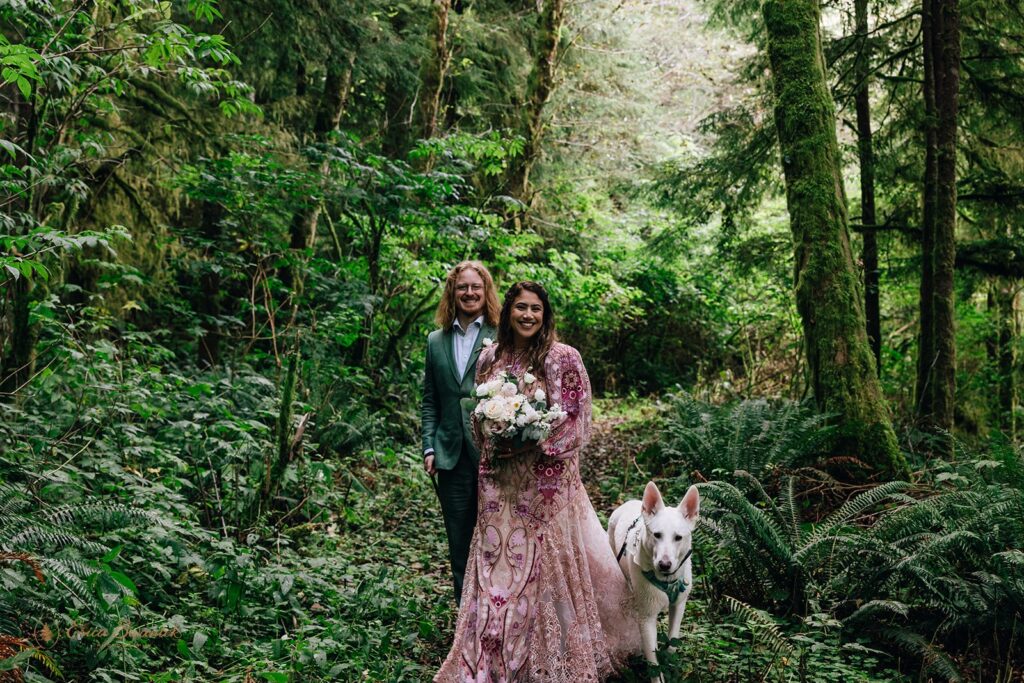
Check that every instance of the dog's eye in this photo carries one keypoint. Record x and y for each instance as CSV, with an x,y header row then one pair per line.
x,y
657,534
678,537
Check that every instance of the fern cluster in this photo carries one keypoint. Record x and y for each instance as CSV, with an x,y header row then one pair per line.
x,y
916,569
911,572
755,436
53,569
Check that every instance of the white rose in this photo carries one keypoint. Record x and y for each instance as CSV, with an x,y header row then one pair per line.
x,y
509,389
529,379
488,388
494,408
487,341
509,412
539,395
529,414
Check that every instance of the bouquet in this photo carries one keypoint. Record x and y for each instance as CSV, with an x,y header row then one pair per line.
x,y
505,412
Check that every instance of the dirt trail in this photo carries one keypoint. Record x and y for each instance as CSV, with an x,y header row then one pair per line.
x,y
608,466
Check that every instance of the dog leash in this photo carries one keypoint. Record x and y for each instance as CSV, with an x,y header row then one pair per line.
x,y
625,540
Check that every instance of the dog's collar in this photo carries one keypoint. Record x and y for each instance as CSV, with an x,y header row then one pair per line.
x,y
671,589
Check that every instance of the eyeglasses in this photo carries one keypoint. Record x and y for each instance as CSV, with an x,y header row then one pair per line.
x,y
469,288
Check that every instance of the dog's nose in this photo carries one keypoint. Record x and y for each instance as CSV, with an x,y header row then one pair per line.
x,y
664,566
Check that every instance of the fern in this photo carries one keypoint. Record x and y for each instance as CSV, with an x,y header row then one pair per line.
x,y
765,629
933,659
755,436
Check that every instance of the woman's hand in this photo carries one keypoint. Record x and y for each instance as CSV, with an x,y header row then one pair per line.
x,y
509,448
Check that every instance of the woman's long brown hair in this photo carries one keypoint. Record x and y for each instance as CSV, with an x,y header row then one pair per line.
x,y
445,315
540,343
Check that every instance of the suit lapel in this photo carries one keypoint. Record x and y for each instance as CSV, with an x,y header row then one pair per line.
x,y
485,331
449,354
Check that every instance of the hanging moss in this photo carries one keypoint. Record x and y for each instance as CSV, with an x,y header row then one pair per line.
x,y
828,291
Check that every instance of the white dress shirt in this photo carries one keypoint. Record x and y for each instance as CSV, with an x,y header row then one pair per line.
x,y
463,342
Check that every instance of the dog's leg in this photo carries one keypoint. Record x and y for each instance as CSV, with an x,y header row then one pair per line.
x,y
649,639
675,619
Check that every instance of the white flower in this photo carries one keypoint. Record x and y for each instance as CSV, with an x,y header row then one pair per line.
x,y
509,389
529,379
487,341
488,388
494,409
539,395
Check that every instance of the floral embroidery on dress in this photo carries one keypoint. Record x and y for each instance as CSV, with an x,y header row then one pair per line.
x,y
572,392
542,585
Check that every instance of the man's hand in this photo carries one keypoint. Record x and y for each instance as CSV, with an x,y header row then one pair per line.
x,y
428,464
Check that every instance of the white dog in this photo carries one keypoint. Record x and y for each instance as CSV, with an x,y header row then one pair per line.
x,y
653,545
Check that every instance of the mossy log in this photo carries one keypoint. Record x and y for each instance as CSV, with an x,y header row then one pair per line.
x,y
828,294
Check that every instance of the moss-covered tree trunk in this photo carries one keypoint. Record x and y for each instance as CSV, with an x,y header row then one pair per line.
x,y
539,90
926,336
435,68
18,349
946,41
1000,344
865,150
828,293
337,83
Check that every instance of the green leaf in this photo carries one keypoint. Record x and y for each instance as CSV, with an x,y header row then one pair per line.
x,y
275,676
124,581
112,554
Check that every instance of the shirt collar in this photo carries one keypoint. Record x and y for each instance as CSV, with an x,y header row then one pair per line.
x,y
479,322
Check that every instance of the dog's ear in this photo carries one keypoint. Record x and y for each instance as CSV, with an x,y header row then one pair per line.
x,y
652,503
690,505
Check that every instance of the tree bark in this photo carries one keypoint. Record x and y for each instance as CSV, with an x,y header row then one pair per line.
x,y
435,70
328,117
926,339
1005,333
541,85
208,304
827,287
865,150
19,354
946,43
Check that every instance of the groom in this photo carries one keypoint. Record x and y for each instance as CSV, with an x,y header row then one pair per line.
x,y
467,314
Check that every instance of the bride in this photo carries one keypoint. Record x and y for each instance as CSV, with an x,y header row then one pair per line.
x,y
543,596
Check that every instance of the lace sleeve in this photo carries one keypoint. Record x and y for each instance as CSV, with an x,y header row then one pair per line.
x,y
569,386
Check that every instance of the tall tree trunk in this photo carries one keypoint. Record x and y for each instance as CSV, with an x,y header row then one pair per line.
x,y
328,117
827,287
208,304
926,339
541,85
866,153
1001,297
434,71
946,39
19,354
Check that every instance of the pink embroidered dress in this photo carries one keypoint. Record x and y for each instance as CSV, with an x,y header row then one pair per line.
x,y
543,596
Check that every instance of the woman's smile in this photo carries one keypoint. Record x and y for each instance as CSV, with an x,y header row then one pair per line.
x,y
526,316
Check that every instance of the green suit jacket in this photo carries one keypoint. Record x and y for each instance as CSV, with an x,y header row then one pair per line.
x,y
445,424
